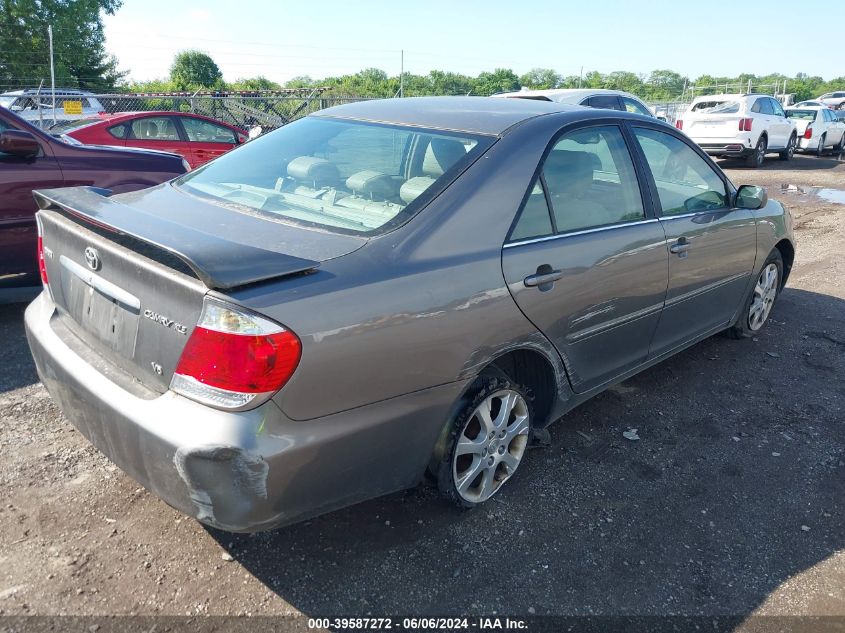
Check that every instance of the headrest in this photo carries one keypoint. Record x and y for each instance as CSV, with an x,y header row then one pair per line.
x,y
372,184
316,171
440,155
412,188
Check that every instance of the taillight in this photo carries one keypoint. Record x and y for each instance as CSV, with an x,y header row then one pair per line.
x,y
235,359
808,133
745,125
679,124
42,265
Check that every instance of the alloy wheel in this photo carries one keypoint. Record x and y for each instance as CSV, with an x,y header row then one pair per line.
x,y
765,293
491,445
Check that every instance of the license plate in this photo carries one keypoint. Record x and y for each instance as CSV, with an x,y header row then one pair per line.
x,y
101,308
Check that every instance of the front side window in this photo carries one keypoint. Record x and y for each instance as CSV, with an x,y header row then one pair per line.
x,y
635,107
685,182
156,128
591,180
202,131
776,107
346,176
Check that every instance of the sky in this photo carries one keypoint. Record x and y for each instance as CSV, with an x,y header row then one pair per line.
x,y
283,39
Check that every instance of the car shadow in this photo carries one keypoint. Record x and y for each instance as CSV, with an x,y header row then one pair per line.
x,y
799,162
735,486
16,367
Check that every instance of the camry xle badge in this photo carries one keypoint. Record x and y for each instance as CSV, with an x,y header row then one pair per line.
x,y
163,320
92,258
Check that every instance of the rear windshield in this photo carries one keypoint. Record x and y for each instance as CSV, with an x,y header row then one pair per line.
x,y
716,107
66,126
803,115
345,176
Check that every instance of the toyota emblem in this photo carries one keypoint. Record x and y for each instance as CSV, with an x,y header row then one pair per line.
x,y
92,258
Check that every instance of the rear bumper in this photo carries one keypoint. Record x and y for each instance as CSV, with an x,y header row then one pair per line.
x,y
726,147
244,471
807,144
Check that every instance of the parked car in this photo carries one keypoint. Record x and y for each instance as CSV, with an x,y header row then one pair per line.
x,y
833,100
588,97
384,288
804,104
818,129
37,106
198,139
740,126
29,159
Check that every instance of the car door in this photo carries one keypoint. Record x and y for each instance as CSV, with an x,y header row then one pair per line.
x,y
711,246
764,120
586,260
18,232
208,140
779,119
157,132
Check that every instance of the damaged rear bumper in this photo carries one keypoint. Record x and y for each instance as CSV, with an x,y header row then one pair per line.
x,y
239,471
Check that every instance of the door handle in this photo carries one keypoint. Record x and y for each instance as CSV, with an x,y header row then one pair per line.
x,y
680,247
544,278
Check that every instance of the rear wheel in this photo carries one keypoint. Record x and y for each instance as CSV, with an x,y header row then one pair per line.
x,y
789,152
487,441
820,148
841,147
762,297
758,155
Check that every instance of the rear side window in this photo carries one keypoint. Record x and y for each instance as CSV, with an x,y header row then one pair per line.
x,y
118,131
609,102
685,182
591,180
157,128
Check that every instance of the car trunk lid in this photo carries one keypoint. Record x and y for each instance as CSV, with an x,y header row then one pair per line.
x,y
129,281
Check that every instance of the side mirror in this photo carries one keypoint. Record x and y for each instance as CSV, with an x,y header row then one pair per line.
x,y
19,143
751,197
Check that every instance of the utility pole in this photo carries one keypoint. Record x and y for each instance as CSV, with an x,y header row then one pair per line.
x,y
402,73
52,71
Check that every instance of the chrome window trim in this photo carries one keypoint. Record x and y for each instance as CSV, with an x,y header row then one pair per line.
x,y
608,227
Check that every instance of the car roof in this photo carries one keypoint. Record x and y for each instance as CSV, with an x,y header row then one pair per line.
x,y
564,95
806,107
475,115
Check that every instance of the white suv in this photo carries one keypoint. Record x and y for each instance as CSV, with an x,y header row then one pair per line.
x,y
835,100
740,125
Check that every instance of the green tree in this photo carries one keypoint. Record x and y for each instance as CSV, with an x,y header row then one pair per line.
x,y
254,83
541,79
192,70
79,51
500,80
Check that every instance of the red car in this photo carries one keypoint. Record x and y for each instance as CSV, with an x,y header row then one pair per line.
x,y
197,138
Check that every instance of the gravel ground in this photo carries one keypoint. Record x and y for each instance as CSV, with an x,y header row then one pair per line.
x,y
732,502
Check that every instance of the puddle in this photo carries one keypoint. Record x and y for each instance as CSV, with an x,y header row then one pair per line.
x,y
830,195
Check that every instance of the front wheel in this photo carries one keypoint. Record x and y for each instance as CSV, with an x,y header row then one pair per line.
x,y
758,304
789,152
758,155
487,441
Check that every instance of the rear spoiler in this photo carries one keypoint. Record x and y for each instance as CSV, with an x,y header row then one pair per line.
x,y
217,262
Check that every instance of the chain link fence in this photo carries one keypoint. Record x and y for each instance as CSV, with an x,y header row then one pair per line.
x,y
267,109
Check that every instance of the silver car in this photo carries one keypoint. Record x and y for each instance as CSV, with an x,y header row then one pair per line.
x,y
385,289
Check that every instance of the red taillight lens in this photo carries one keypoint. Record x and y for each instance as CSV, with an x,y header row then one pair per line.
x,y
235,359
808,133
42,266
679,124
745,125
